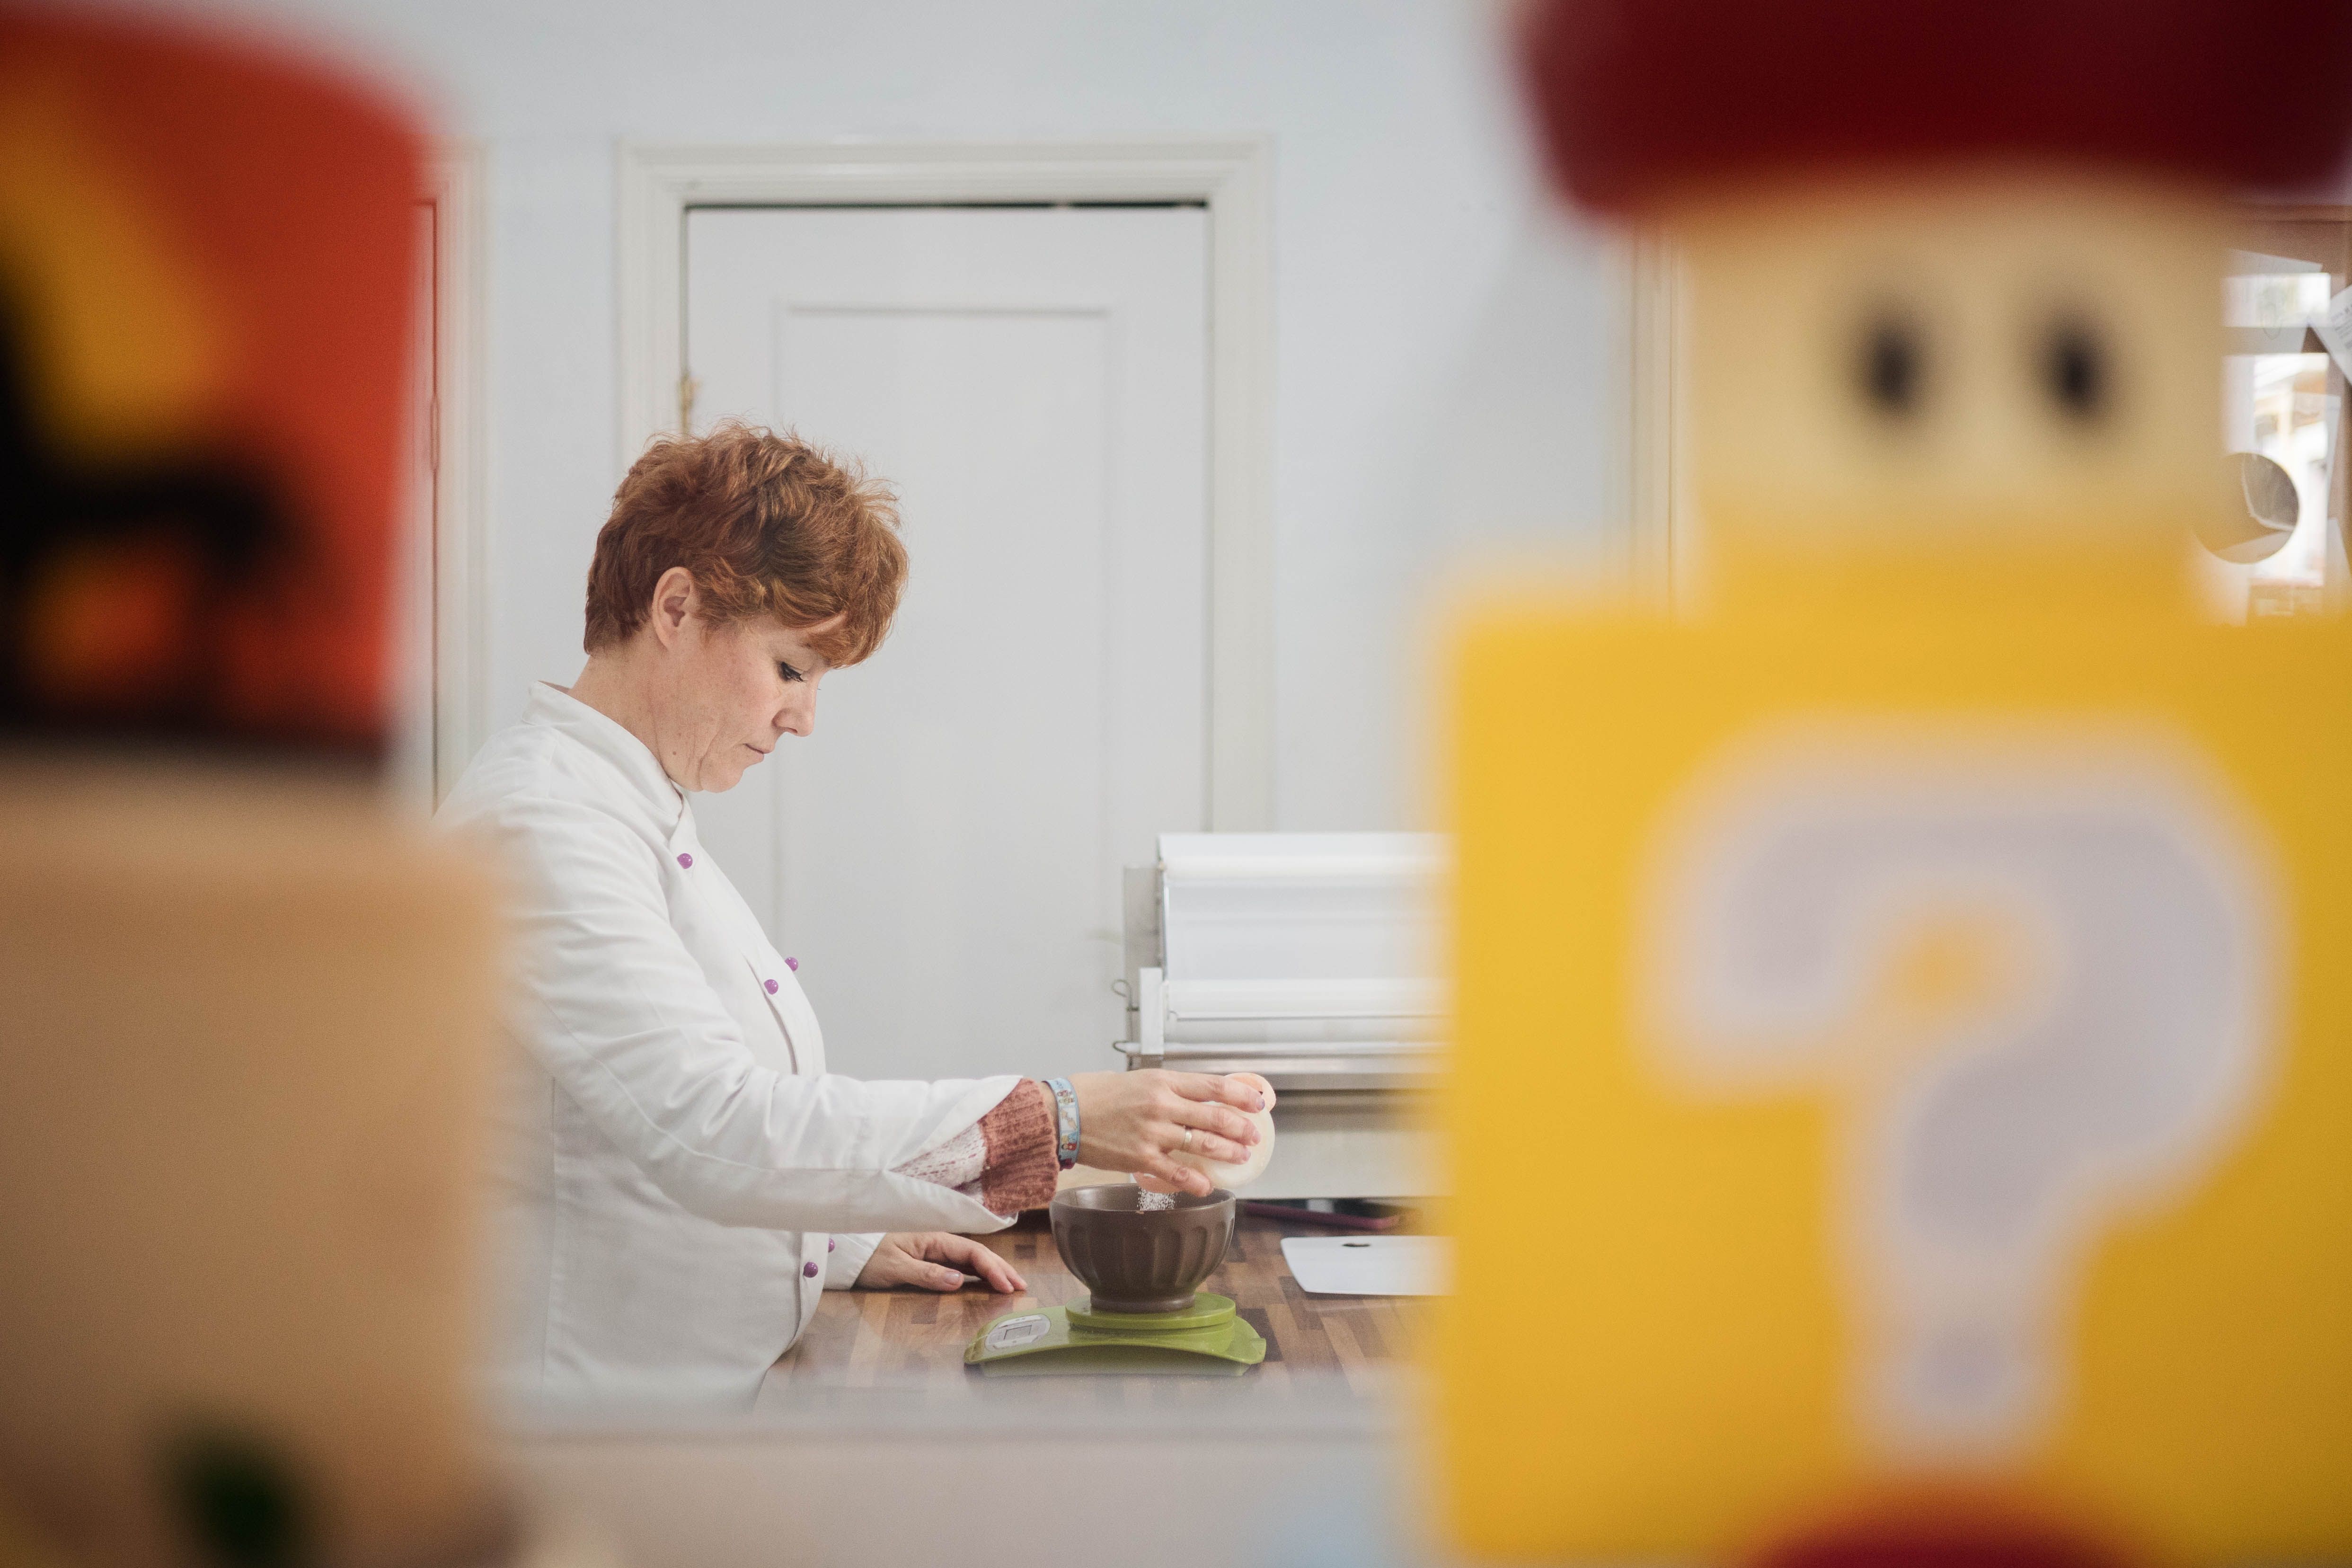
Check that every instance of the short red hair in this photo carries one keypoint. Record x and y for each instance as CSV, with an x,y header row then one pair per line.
x,y
768,524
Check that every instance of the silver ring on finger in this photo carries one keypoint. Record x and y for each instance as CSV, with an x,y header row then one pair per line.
x,y
1187,1140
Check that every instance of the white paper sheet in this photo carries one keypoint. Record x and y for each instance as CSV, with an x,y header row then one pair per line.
x,y
1370,1265
2333,326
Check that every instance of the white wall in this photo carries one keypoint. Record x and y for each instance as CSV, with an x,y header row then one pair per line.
x,y
1409,269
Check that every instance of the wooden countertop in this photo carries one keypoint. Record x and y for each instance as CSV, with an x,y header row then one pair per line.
x,y
876,1338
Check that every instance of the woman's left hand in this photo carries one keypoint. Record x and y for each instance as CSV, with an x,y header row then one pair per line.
x,y
936,1260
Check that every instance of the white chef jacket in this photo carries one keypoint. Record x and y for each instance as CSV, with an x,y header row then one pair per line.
x,y
681,1171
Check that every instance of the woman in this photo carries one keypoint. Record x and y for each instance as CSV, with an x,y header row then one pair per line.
x,y
687,1175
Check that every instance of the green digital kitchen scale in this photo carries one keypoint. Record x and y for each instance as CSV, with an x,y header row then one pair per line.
x,y
1207,1339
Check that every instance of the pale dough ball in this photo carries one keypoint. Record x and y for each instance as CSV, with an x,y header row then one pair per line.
x,y
1233,1178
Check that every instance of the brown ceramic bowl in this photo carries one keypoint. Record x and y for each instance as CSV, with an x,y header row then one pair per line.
x,y
1138,1262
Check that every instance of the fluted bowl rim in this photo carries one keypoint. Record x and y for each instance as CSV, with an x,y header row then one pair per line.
x,y
1122,1198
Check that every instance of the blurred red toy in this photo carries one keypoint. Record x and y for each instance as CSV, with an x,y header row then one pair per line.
x,y
1641,101
205,267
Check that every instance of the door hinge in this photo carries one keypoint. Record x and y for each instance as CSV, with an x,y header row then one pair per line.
x,y
686,387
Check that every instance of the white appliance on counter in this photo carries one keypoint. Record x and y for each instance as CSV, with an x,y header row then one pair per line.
x,y
1313,960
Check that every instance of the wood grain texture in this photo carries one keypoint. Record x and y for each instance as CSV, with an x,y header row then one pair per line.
x,y
895,1338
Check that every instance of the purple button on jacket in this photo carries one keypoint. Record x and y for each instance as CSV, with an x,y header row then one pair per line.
x,y
771,985
809,1270
793,965
829,1244
687,861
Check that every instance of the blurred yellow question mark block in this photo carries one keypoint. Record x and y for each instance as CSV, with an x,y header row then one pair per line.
x,y
1910,1044
1900,1040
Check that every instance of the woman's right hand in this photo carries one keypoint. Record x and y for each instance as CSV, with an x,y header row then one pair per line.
x,y
1132,1120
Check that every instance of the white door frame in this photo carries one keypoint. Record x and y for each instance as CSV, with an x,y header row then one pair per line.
x,y
1233,176
1663,533
456,186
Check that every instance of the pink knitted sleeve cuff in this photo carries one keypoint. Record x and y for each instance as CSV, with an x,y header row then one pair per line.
x,y
955,1163
1020,1134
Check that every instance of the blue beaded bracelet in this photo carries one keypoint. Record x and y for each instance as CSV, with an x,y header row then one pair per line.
x,y
1065,1117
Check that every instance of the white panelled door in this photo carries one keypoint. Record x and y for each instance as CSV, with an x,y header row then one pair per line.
x,y
942,857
